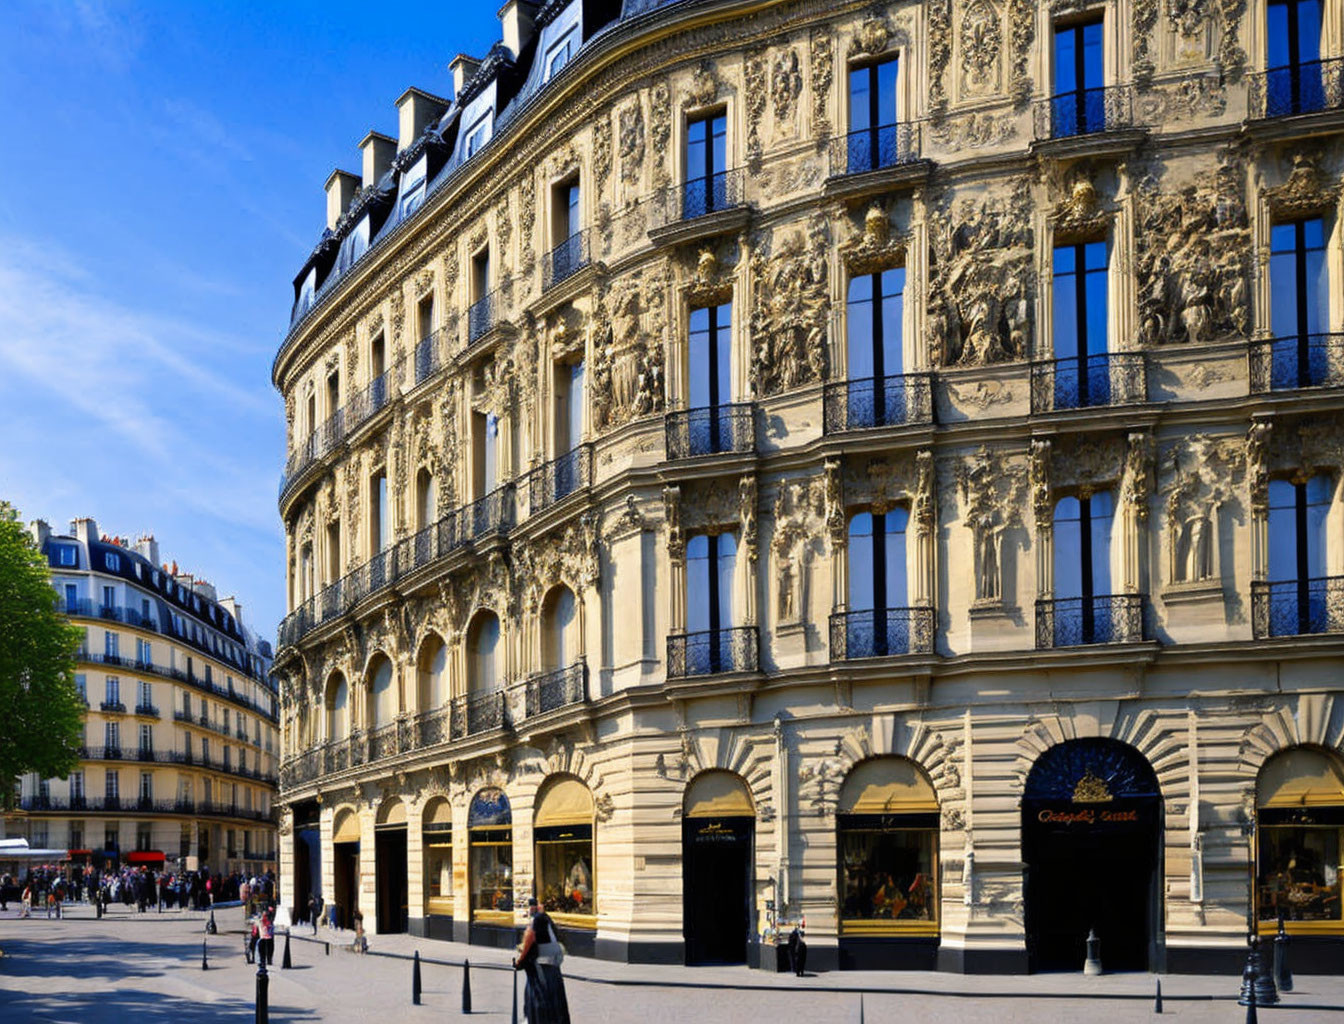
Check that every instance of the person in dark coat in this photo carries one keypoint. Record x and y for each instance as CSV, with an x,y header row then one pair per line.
x,y
539,957
797,951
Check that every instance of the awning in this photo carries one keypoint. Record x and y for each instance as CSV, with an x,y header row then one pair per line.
x,y
145,857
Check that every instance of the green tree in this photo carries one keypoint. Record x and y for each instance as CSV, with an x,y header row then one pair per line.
x,y
41,714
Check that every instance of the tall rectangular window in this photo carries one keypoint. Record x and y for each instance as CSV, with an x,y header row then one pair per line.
x,y
1299,304
144,654
112,736
111,644
1082,569
873,132
706,165
109,598
1082,375
1297,555
1078,103
146,786
711,561
878,622
709,359
71,598
77,785
112,784
378,518
146,739
146,695
1294,83
874,311
112,690
82,686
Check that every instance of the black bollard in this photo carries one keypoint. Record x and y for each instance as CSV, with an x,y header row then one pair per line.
x,y
263,994
514,1018
1251,1017
205,964
1092,965
466,986
415,979
1265,992
1157,1005
860,1008
328,945
210,927
1283,974
286,963
1248,974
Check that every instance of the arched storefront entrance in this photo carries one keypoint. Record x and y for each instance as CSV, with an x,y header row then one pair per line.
x,y
345,865
887,859
389,842
718,832
562,829
1091,838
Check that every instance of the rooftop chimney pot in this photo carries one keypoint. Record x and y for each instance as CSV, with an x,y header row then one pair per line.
x,y
516,18
378,150
341,188
415,110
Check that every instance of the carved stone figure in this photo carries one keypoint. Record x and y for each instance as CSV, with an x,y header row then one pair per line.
x,y
822,57
1199,477
981,41
786,83
874,250
1257,463
628,365
703,88
660,130
788,323
1308,190
992,489
632,142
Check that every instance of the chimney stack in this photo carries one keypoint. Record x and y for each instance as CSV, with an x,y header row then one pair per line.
x,y
463,67
85,529
415,110
41,530
341,188
516,18
378,150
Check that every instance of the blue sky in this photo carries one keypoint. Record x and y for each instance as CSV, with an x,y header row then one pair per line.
x,y
160,185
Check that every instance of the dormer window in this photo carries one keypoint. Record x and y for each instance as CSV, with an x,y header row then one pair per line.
x,y
478,135
112,561
559,54
413,187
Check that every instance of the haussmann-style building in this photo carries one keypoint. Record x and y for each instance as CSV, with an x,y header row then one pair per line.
x,y
181,739
875,464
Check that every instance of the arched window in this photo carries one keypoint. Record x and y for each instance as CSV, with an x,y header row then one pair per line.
x,y
563,832
490,832
338,707
483,653
1300,839
1083,611
432,673
559,629
424,499
437,843
878,622
382,696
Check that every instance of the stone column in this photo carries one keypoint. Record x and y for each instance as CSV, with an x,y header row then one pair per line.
x,y
676,556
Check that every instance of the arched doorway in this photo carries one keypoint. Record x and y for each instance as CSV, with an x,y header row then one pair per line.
x,y
389,850
436,845
887,862
345,865
490,867
566,882
1091,838
717,839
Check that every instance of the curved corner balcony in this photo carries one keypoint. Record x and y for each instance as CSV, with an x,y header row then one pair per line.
x,y
1098,619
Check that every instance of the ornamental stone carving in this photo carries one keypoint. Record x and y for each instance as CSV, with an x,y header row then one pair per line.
x,y
1257,464
676,540
799,525
628,364
875,249
703,87
1022,34
566,556
940,53
980,40
631,119
1308,190
709,284
660,130
786,85
1041,468
1191,264
1136,477
822,58
981,277
992,489
527,215
746,505
1080,214
792,306
754,96
1231,56
834,481
872,37
975,130
1144,16
1089,464
601,152
1200,476
883,482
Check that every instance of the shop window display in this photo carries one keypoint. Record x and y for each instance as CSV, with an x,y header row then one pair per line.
x,y
886,873
438,847
565,869
490,823
1299,873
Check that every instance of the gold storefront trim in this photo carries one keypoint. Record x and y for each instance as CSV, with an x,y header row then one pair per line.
x,y
574,920
1303,927
863,927
492,916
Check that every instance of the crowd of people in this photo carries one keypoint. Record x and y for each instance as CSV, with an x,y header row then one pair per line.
x,y
49,887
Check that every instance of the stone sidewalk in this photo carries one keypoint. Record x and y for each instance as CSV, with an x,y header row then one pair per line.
x,y
147,968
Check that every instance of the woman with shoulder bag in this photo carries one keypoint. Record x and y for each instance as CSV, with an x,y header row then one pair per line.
x,y
540,956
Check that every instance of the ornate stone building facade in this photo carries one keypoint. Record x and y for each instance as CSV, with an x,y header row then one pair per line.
x,y
871,463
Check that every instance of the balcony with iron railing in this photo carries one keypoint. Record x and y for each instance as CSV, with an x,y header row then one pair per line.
x,y
559,688
880,147
482,317
1305,88
881,633
112,706
112,804
146,710
565,260
1098,619
867,403
1088,382
1296,361
372,398
429,353
556,480
1084,112
477,713
190,678
713,651
713,430
699,207
1297,607
317,445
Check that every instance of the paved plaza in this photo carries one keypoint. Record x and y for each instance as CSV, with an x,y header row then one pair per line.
x,y
147,969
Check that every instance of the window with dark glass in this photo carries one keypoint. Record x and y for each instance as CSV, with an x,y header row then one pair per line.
x,y
1078,103
1299,591
1082,569
706,165
1082,367
1299,287
874,313
490,836
872,117
877,623
559,54
709,359
1294,83
711,561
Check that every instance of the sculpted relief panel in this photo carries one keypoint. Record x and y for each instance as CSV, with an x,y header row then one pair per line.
x,y
628,361
980,44
981,281
791,309
1199,476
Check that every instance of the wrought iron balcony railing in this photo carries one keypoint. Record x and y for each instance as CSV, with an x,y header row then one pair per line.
x,y
558,479
117,804
482,316
1084,112
713,430
1099,619
112,705
878,402
1297,607
324,439
190,678
875,148
697,197
371,398
1297,361
881,633
147,710
429,355
87,609
565,260
480,712
560,688
711,651
1297,89
1090,382
492,515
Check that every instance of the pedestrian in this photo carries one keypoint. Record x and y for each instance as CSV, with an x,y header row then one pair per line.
x,y
540,956
266,937
250,943
361,942
313,912
26,901
797,951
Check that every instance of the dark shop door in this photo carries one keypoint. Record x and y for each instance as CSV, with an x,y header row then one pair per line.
x,y
716,884
390,866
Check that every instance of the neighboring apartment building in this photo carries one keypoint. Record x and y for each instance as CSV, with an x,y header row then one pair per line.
x,y
180,740
872,463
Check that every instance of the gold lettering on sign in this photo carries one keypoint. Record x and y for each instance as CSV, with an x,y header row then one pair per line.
x,y
1091,789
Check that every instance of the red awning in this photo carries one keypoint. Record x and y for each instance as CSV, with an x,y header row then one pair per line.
x,y
144,857
81,853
